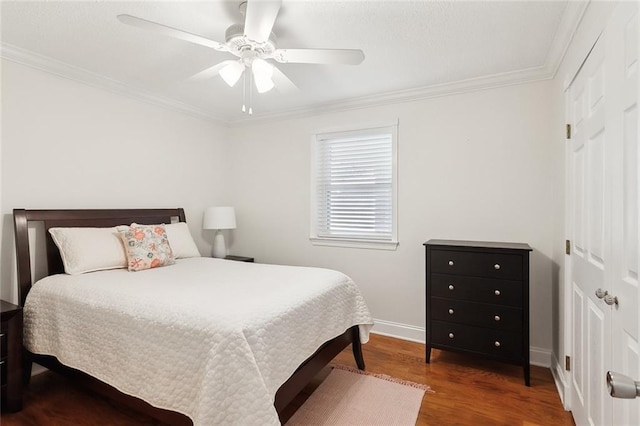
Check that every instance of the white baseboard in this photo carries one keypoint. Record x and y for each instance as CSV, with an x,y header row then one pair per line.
x,y
399,331
538,356
560,379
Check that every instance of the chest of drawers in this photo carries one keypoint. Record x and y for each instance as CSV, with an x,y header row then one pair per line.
x,y
477,299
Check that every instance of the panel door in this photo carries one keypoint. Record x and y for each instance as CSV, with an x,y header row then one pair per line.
x,y
623,45
591,257
603,187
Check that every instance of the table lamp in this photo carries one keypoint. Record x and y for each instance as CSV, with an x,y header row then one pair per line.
x,y
219,218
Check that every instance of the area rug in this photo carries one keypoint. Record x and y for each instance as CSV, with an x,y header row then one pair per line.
x,y
353,397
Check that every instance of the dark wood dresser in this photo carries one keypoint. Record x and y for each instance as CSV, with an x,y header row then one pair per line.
x,y
478,299
11,361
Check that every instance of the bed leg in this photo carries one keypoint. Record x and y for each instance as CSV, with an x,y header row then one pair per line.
x,y
26,368
357,347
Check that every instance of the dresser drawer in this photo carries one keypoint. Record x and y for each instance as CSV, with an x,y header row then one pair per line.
x,y
3,344
478,314
490,265
499,292
3,372
497,343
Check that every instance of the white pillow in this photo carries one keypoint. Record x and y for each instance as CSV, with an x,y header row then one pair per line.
x,y
181,241
89,249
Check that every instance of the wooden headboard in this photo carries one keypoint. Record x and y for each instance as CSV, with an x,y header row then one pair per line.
x,y
73,218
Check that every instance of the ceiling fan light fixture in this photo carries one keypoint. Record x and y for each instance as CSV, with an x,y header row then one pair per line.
x,y
231,73
262,73
251,42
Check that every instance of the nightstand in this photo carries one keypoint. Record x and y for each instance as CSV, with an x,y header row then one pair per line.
x,y
240,258
11,359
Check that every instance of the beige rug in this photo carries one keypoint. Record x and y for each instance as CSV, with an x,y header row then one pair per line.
x,y
352,397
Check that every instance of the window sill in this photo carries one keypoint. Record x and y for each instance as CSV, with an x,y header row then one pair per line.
x,y
363,244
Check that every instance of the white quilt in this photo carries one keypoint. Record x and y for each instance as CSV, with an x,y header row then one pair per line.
x,y
212,339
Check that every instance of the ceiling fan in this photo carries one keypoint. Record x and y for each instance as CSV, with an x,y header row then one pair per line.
x,y
254,44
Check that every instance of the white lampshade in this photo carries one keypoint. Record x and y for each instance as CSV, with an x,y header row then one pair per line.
x,y
232,72
262,73
219,218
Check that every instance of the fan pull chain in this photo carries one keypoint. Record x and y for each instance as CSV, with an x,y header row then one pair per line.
x,y
244,91
250,93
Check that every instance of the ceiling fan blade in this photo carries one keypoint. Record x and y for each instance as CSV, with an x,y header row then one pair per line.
x,y
171,32
282,82
210,72
319,56
259,19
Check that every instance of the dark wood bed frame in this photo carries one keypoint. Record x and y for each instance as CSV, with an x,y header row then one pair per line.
x,y
107,218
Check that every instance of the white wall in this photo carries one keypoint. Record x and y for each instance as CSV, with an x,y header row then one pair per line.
x,y
471,166
69,145
478,165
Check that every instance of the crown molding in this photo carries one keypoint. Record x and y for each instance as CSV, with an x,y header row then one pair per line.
x,y
564,34
409,95
571,18
80,75
568,25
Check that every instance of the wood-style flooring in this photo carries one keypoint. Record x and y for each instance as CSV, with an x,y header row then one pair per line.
x,y
467,392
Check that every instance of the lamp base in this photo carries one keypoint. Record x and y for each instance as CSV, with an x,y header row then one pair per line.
x,y
219,247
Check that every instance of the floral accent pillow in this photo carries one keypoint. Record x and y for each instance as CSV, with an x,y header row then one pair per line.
x,y
147,246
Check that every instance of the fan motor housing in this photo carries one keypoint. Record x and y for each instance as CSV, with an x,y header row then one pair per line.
x,y
239,43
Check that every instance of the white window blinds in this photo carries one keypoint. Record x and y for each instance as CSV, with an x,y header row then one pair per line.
x,y
355,185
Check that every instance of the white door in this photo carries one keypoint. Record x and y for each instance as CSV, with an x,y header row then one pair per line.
x,y
603,207
590,261
623,45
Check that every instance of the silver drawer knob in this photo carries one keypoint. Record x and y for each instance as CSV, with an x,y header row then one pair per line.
x,y
450,311
497,344
497,318
497,292
450,335
451,287
496,266
451,263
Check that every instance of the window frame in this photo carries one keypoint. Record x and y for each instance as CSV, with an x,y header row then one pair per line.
x,y
347,241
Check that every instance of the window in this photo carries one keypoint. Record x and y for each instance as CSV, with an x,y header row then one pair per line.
x,y
354,194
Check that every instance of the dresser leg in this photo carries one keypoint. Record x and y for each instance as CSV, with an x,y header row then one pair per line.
x,y
527,371
428,354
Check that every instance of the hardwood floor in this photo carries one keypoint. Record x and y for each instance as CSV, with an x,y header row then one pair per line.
x,y
467,392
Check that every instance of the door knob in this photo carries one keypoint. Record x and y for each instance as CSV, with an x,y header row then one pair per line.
x,y
611,300
600,293
621,386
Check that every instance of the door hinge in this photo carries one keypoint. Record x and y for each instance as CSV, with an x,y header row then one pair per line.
x,y
567,246
568,131
567,363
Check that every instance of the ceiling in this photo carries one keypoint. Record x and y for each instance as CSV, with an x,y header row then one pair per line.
x,y
412,49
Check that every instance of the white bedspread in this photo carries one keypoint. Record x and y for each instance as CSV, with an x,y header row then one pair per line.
x,y
212,339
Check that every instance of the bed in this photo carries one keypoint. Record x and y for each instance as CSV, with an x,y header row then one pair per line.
x,y
204,341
